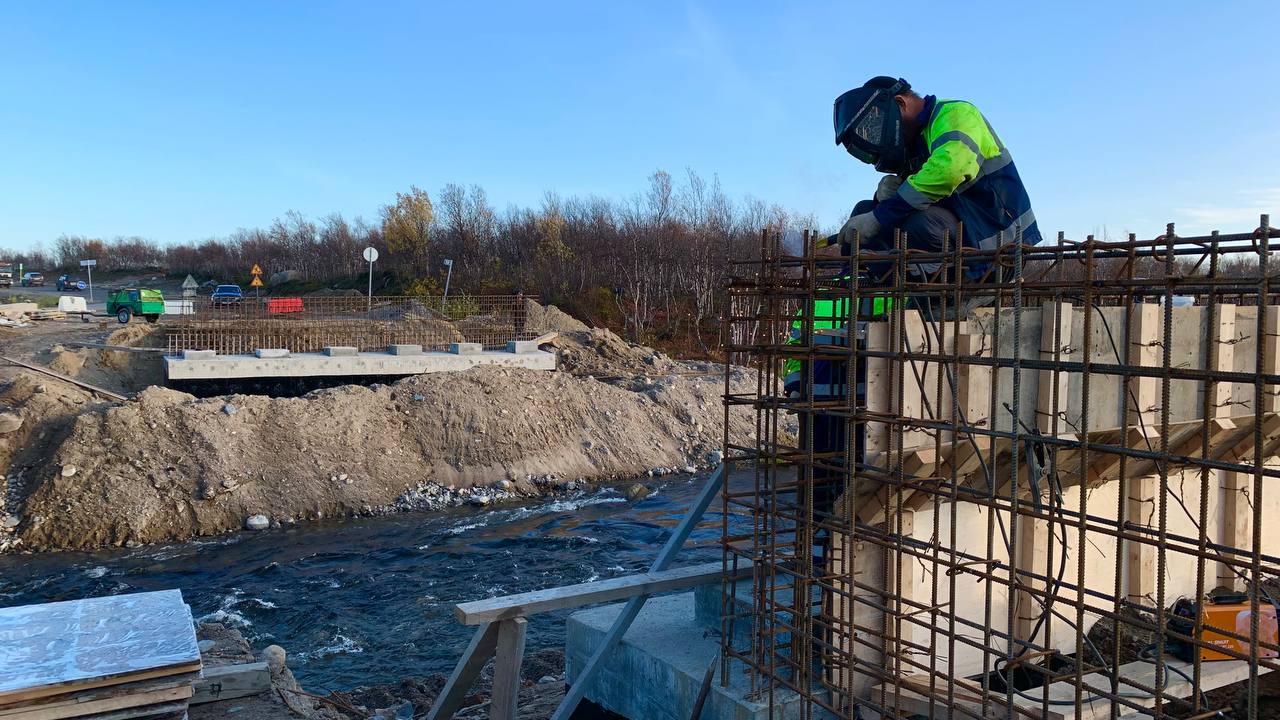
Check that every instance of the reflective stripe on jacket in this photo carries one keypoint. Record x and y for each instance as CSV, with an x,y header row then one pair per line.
x,y
970,172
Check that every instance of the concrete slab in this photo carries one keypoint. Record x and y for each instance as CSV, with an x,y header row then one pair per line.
x,y
198,354
465,348
341,351
522,346
271,353
405,349
231,367
656,671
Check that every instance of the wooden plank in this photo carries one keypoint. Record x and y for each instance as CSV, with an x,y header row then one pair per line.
x,y
1212,675
100,693
114,348
465,672
506,669
65,378
98,683
899,579
1055,343
599,591
92,707
232,681
913,697
1144,417
162,711
53,648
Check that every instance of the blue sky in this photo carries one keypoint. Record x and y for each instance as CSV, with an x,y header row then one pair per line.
x,y
181,121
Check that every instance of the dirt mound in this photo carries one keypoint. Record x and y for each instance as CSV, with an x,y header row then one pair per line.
x,y
118,370
540,319
48,409
601,353
169,466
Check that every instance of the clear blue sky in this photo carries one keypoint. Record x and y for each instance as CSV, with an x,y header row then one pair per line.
x,y
180,121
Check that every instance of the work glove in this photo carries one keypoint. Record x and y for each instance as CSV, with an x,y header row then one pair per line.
x,y
865,225
888,187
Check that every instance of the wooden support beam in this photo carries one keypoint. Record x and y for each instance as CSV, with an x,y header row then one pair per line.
x,y
506,669
464,674
899,568
1055,342
1237,513
601,591
633,606
231,681
1032,537
1144,417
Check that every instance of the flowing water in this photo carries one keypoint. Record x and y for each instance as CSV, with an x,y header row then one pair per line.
x,y
370,601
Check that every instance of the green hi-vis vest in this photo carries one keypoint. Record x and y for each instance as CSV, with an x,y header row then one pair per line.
x,y
829,315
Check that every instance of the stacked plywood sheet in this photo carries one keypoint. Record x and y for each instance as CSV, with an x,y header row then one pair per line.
x,y
108,658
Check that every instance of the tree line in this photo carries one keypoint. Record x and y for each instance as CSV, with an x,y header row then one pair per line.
x,y
652,265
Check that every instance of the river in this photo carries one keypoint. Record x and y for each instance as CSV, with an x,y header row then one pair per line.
x,y
370,600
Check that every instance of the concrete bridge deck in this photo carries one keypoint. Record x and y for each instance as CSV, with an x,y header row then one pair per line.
x,y
347,361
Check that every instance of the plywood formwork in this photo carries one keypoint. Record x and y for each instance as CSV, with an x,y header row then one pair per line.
x,y
1030,461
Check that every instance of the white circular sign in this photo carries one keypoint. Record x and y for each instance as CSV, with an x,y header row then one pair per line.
x,y
370,254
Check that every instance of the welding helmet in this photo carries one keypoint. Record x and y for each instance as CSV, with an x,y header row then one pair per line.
x,y
869,124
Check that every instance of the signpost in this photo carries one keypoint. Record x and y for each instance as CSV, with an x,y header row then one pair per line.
x,y
256,272
88,266
448,276
371,255
189,287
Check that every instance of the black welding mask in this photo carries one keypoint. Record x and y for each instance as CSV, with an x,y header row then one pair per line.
x,y
869,124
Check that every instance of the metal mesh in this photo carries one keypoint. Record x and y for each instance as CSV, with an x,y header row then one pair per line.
x,y
1029,496
309,324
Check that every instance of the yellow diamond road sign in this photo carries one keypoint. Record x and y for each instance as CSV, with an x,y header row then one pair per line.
x,y
257,282
256,271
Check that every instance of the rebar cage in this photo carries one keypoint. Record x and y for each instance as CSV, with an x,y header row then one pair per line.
x,y
1029,481
311,323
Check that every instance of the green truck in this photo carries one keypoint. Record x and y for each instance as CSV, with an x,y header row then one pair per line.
x,y
126,303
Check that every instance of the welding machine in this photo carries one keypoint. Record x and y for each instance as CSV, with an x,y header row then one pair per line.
x,y
1220,615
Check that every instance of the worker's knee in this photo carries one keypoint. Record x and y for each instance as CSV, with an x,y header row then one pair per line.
x,y
932,229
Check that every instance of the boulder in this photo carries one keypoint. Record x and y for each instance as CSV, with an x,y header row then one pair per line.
x,y
283,277
638,491
257,522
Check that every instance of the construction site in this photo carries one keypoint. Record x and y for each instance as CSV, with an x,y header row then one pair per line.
x,y
448,361
1038,495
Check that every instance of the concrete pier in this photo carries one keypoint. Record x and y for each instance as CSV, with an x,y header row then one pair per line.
x,y
657,670
206,365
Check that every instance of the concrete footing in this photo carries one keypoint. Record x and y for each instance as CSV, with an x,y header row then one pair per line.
x,y
656,671
271,353
405,349
341,351
206,365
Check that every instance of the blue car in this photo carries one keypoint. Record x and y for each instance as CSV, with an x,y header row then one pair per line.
x,y
226,295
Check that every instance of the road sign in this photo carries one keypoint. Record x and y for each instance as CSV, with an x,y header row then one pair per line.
x,y
190,283
256,270
371,254
88,263
257,282
80,285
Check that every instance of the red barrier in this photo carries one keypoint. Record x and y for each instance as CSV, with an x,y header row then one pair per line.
x,y
277,306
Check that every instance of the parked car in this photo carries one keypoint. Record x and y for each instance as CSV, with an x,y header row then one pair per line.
x,y
32,279
226,295
68,283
